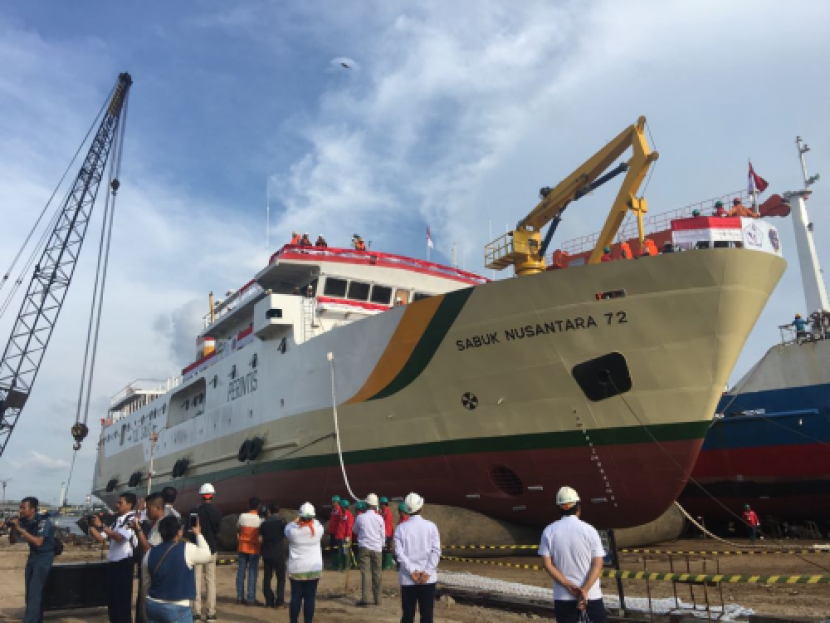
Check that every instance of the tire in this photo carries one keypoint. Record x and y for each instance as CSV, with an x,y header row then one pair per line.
x,y
254,448
111,485
242,455
135,479
183,465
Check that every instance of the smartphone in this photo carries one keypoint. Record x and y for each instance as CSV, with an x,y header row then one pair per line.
x,y
193,520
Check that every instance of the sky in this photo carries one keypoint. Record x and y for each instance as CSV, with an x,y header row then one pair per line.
x,y
450,115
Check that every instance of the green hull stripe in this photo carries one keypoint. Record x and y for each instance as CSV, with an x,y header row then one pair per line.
x,y
687,431
434,334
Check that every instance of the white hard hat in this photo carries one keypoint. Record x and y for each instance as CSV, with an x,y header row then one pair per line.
x,y
207,489
372,500
566,497
414,503
307,511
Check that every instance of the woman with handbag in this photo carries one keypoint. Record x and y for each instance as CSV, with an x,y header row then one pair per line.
x,y
305,563
168,570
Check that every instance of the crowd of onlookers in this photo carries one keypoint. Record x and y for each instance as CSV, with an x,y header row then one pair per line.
x,y
177,556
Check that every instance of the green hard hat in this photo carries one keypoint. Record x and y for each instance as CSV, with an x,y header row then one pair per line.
x,y
695,212
384,500
719,204
360,505
402,507
345,503
335,498
746,507
607,249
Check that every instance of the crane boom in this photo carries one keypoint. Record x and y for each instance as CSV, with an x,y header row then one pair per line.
x,y
52,275
523,248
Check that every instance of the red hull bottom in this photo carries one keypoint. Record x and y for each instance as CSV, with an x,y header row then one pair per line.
x,y
622,485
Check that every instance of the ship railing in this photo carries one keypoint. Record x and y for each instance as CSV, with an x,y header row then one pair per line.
x,y
235,300
653,223
391,260
789,335
146,387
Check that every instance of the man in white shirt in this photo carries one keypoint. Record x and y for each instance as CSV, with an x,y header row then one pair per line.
x,y
572,553
418,547
371,531
122,541
170,494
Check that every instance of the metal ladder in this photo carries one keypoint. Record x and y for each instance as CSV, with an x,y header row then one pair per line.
x,y
309,326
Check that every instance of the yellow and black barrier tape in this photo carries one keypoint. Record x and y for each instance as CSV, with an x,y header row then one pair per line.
x,y
668,577
725,552
490,547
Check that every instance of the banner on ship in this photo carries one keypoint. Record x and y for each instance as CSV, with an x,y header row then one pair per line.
x,y
753,233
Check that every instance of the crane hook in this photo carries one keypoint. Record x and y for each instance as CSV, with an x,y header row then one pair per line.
x,y
79,433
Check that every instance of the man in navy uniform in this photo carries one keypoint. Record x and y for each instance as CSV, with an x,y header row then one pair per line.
x,y
37,531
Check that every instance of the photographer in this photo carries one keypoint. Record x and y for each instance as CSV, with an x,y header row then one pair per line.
x,y
122,542
37,532
148,537
168,571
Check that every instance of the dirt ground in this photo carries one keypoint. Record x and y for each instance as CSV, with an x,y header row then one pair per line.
x,y
336,604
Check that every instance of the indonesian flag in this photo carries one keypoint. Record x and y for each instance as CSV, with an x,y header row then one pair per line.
x,y
755,181
429,239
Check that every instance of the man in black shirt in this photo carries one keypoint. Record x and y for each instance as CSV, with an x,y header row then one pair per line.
x,y
210,521
272,532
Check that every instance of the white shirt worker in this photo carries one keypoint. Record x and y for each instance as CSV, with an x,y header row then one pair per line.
x,y
371,530
119,551
418,547
571,545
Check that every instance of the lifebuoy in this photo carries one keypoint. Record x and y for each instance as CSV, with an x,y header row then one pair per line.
x,y
242,455
111,485
254,448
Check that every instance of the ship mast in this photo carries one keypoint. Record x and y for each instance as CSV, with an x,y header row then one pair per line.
x,y
815,292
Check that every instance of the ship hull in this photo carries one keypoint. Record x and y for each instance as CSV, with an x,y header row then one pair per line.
x,y
471,398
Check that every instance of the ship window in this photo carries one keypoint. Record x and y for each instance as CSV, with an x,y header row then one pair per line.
x,y
381,295
358,291
335,287
418,296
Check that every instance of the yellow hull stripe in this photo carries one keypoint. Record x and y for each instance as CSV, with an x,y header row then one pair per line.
x,y
414,322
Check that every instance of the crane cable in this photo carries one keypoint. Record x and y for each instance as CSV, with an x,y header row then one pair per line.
x,y
36,251
80,428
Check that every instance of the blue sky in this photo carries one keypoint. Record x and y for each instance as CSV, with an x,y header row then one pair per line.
x,y
453,115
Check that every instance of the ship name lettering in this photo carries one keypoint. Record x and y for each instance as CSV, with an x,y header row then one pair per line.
x,y
242,386
478,340
540,328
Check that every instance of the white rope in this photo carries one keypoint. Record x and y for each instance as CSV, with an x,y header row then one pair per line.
x,y
330,357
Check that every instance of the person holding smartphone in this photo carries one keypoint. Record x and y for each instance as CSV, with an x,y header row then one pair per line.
x,y
168,571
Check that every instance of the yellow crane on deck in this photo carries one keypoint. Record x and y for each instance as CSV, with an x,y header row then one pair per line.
x,y
524,248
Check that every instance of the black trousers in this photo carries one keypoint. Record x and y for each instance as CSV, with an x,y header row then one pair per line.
x,y
119,585
568,612
139,607
420,596
272,566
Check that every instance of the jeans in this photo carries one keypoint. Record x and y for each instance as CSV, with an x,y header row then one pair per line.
x,y
274,565
37,570
251,563
119,586
303,593
420,596
167,613
567,611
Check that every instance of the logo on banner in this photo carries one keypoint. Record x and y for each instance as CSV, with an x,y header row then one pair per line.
x,y
774,241
754,236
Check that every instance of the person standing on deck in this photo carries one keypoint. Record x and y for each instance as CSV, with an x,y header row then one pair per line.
x,y
371,530
321,243
272,531
305,563
210,522
344,533
389,533
572,554
170,494
800,327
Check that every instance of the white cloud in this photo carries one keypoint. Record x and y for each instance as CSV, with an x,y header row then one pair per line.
x,y
46,463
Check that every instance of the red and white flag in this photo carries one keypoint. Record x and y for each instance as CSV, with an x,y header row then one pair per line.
x,y
755,181
429,239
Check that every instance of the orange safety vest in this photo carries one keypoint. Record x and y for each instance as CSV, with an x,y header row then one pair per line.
x,y
249,524
360,245
295,239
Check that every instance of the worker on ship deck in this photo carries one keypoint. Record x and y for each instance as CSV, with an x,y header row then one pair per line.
x,y
625,249
321,243
305,241
719,209
357,243
739,209
800,327
606,255
295,237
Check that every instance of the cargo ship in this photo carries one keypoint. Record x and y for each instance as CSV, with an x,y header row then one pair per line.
x,y
338,369
769,445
